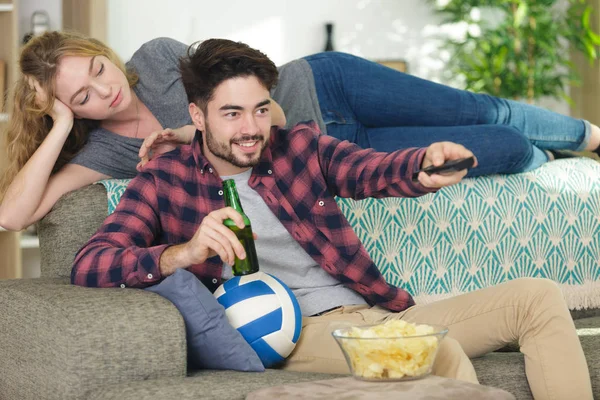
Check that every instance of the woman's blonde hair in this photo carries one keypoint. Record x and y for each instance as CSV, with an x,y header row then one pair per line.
x,y
29,123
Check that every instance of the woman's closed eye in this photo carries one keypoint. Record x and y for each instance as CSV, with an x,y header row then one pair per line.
x,y
87,95
85,99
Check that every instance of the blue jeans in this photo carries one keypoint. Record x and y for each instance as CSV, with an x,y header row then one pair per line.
x,y
375,106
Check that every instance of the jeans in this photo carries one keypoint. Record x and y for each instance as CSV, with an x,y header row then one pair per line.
x,y
378,107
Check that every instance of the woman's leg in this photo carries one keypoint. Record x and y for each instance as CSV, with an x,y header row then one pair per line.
x,y
530,311
355,93
499,149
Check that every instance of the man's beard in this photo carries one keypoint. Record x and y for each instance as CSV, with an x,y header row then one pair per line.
x,y
225,152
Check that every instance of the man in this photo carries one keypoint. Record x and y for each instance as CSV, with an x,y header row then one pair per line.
x,y
172,214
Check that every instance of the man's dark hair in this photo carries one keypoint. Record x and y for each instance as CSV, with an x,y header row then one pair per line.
x,y
214,61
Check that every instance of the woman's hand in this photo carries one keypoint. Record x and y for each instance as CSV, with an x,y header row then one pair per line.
x,y
160,142
436,155
60,111
277,115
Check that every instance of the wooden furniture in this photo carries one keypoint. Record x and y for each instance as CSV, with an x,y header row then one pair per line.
x,y
85,16
10,248
399,65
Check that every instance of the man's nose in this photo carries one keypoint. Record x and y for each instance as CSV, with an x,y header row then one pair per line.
x,y
249,124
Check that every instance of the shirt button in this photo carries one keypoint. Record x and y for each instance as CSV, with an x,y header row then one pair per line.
x,y
202,171
270,172
150,276
210,170
220,193
214,281
321,203
122,286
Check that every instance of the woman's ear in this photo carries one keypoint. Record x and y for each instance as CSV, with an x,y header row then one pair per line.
x,y
197,115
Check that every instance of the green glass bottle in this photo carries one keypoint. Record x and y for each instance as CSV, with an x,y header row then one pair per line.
x,y
248,265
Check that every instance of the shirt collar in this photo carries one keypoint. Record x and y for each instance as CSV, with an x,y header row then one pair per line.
x,y
264,167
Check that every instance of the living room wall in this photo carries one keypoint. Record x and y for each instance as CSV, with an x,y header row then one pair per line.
x,y
285,30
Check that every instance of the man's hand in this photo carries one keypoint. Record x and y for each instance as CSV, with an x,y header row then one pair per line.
x,y
212,238
436,155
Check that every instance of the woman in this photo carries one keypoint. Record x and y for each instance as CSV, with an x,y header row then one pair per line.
x,y
79,116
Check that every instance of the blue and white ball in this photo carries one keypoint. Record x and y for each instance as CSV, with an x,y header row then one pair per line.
x,y
265,311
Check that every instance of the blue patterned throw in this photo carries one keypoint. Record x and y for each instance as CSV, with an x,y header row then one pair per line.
x,y
484,231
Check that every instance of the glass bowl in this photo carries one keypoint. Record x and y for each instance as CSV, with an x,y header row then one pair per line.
x,y
373,354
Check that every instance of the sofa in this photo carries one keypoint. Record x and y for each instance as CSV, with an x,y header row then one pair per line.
x,y
59,341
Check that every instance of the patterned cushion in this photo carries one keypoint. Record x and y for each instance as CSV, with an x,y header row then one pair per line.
x,y
484,231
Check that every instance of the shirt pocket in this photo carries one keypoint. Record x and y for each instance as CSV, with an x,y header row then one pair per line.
x,y
331,225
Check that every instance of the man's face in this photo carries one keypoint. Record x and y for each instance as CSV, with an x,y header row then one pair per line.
x,y
237,125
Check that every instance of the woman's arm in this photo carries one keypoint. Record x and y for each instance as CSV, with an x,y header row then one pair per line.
x,y
277,115
33,191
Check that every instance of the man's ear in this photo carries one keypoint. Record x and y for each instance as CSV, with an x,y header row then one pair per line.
x,y
197,116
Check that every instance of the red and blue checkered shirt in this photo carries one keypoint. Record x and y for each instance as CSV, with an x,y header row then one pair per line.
x,y
298,176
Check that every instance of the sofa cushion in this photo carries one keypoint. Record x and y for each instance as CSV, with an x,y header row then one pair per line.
x,y
60,341
205,385
212,343
506,370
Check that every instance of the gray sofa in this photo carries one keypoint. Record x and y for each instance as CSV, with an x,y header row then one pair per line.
x,y
59,341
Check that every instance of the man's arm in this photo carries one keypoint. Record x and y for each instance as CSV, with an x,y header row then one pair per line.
x,y
360,173
122,250
351,171
277,115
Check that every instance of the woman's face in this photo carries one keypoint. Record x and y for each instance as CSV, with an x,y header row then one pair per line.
x,y
93,87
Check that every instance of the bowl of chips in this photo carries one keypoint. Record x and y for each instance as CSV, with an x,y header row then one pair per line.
x,y
393,351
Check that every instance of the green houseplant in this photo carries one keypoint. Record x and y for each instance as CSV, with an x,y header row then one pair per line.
x,y
518,49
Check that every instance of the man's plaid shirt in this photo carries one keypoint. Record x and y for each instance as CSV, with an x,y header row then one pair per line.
x,y
298,176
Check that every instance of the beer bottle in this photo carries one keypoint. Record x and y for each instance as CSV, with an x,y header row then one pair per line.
x,y
248,265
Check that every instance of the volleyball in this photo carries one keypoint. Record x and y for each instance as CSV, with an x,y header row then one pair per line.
x,y
265,311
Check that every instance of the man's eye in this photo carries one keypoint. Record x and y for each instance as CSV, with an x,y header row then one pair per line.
x,y
232,114
263,110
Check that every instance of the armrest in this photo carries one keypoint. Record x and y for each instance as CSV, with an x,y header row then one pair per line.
x,y
69,225
63,341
